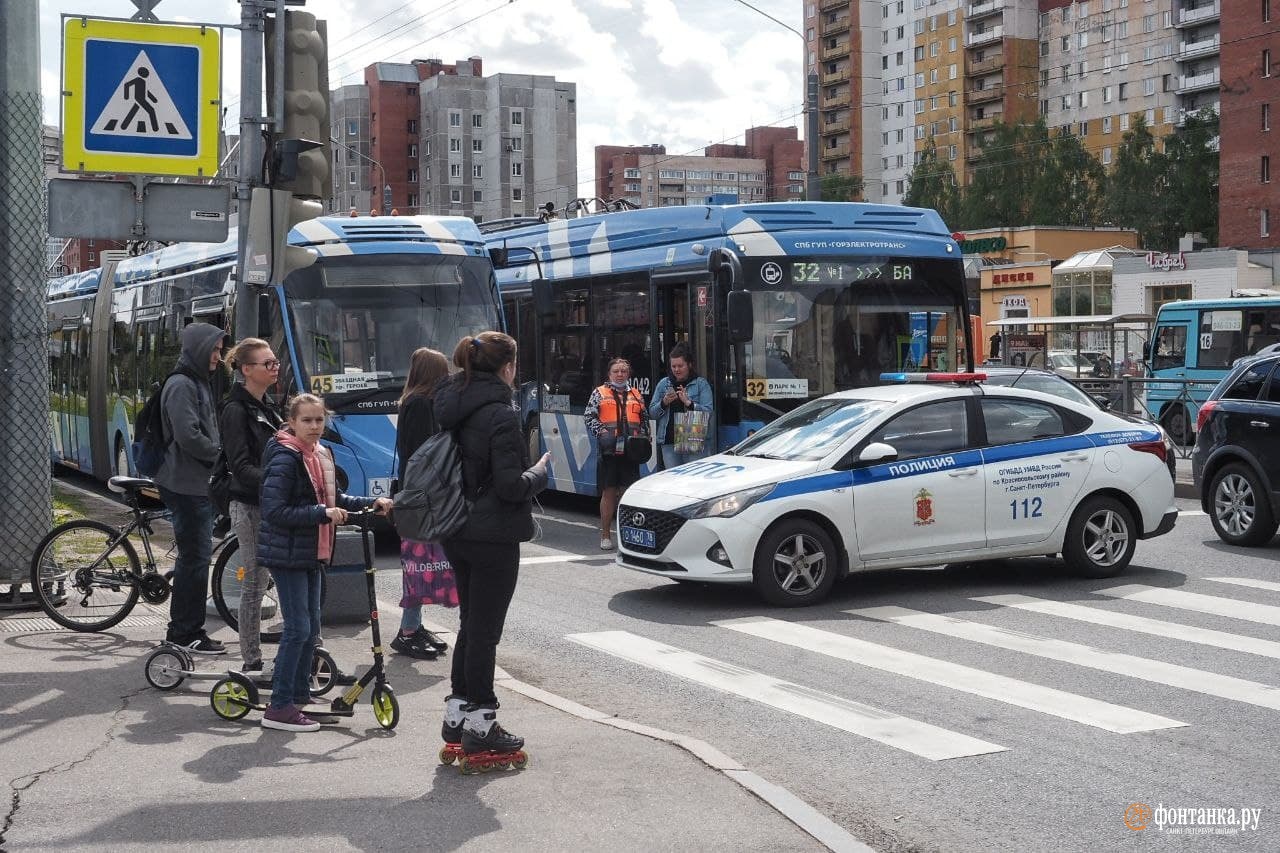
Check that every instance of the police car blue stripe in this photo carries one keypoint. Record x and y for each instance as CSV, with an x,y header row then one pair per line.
x,y
829,481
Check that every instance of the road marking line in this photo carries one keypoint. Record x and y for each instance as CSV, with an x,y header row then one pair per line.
x,y
33,702
558,520
1248,611
1196,680
1250,582
803,815
1024,694
1183,512
562,558
1140,624
923,739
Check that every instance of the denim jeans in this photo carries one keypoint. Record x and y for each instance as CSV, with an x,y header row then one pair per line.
x,y
299,593
411,619
486,574
245,519
671,457
193,536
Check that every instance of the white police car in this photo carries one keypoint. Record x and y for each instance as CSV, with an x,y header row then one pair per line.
x,y
937,468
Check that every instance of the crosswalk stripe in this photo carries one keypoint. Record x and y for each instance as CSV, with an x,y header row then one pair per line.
x,y
918,738
1173,675
1271,586
1141,624
1234,608
1024,694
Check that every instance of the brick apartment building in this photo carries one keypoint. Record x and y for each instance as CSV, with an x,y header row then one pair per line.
x,y
1248,194
766,167
448,140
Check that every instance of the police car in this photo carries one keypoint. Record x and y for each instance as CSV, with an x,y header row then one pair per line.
x,y
931,469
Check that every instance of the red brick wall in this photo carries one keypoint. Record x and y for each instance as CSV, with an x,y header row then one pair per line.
x,y
391,108
1241,194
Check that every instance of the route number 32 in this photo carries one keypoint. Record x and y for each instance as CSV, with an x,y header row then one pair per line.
x,y
1026,508
757,389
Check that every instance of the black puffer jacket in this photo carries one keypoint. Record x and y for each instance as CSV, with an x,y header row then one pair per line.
x,y
246,425
495,459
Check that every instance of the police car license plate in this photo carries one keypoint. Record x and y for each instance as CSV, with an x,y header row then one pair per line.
x,y
639,536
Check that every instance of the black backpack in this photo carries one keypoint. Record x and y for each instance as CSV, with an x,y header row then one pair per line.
x,y
148,434
431,505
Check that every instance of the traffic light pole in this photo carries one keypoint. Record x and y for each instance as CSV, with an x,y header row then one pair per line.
x,y
252,14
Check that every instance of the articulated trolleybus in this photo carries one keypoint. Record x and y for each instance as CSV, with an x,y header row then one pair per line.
x,y
779,302
344,328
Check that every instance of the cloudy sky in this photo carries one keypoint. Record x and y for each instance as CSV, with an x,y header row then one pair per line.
x,y
683,73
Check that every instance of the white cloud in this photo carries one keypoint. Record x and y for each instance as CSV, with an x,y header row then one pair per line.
x,y
683,74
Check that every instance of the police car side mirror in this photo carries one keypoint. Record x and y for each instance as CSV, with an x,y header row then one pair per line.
x,y
878,451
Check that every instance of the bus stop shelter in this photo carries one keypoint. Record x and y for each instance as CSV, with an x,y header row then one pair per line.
x,y
1077,346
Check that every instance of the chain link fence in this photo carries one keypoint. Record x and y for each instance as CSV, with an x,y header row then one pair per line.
x,y
25,513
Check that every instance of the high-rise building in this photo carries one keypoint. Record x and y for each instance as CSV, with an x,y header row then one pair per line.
x,y
448,140
766,167
1248,198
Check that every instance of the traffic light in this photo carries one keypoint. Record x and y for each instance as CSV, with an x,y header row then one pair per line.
x,y
272,213
304,66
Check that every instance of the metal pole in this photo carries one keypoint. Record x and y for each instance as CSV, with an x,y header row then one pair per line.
x,y
25,512
251,121
811,135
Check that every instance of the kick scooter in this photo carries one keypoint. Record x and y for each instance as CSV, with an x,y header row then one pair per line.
x,y
170,665
235,695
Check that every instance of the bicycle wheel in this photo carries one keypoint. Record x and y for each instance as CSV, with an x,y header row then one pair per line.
x,y
81,585
227,583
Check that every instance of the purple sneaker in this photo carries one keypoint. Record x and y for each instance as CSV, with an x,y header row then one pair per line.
x,y
289,719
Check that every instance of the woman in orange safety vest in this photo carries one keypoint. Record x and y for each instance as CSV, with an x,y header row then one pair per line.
x,y
614,412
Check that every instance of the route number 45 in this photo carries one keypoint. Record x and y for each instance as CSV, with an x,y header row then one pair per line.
x,y
321,385
1029,508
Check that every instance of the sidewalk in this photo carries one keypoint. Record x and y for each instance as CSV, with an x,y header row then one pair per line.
x,y
97,759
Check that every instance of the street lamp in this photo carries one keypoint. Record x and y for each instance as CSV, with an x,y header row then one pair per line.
x,y
814,188
386,186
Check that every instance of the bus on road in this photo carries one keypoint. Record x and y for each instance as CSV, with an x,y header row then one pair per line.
x,y
1199,340
344,328
779,302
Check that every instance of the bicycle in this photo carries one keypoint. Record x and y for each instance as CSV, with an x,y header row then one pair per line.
x,y
86,574
227,579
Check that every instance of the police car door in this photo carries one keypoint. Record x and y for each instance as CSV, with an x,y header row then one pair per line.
x,y
1036,460
930,498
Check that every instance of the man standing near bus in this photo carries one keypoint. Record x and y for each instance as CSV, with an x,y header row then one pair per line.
x,y
190,421
682,390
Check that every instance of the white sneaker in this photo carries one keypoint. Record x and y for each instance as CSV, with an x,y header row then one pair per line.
x,y
606,544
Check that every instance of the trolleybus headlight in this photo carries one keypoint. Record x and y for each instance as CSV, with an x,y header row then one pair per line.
x,y
725,506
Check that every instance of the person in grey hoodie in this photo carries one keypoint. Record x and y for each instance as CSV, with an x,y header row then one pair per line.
x,y
189,415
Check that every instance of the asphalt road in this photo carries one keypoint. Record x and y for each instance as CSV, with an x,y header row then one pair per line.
x,y
1040,731
1055,778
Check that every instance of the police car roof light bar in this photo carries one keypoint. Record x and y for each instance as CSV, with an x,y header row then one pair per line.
x,y
906,378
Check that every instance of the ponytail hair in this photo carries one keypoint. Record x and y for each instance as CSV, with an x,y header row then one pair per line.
x,y
243,351
487,352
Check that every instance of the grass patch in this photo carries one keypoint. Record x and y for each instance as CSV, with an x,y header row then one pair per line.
x,y
65,509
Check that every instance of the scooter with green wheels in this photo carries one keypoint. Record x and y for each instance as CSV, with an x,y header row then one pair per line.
x,y
235,695
170,664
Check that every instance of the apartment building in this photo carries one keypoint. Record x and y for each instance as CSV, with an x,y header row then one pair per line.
x,y
448,140
835,40
618,170
1248,197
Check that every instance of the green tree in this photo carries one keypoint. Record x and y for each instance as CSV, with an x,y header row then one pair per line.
x,y
1190,201
1068,185
932,183
838,187
999,192
1136,185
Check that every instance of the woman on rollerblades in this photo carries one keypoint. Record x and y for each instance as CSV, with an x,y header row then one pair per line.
x,y
485,553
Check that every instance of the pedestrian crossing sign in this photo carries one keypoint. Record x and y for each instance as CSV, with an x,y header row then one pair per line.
x,y
140,98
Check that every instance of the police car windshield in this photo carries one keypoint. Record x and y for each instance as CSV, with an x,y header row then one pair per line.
x,y
812,431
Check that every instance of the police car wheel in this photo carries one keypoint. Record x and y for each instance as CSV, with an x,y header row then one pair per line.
x,y
1100,538
796,564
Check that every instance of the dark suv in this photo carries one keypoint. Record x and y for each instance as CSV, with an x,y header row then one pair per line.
x,y
1236,462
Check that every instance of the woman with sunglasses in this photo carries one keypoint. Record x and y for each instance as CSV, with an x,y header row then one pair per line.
x,y
248,421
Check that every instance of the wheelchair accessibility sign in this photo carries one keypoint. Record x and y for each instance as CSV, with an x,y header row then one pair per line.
x,y
140,98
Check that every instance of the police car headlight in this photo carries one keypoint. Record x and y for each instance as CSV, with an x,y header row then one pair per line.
x,y
725,506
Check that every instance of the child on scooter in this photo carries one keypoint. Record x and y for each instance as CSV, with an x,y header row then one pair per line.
x,y
301,506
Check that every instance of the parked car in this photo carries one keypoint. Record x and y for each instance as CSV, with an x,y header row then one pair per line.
x,y
1236,461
